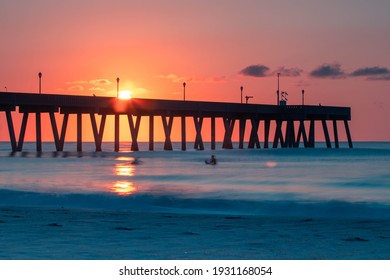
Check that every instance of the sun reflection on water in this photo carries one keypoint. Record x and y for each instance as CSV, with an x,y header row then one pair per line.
x,y
125,168
124,188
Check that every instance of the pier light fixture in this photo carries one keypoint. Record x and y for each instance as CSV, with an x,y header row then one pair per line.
x,y
184,91
40,82
117,87
6,89
303,97
241,88
247,98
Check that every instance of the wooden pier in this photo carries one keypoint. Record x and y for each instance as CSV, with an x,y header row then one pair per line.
x,y
290,121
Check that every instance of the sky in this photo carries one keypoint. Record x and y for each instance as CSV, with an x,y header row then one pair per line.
x,y
337,51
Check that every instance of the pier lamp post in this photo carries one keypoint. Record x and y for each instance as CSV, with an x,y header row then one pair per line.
x,y
303,97
6,89
242,88
117,87
40,82
184,90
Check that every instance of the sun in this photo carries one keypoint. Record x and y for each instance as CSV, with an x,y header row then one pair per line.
x,y
125,94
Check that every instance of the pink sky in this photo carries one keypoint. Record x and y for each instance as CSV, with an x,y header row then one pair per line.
x,y
337,51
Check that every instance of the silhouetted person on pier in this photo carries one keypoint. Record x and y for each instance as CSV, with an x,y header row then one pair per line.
x,y
212,161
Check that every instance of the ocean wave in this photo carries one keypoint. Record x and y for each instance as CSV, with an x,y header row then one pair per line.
x,y
176,204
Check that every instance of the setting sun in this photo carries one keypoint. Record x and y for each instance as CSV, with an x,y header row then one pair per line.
x,y
125,94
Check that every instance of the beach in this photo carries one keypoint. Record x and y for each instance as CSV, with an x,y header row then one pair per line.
x,y
37,233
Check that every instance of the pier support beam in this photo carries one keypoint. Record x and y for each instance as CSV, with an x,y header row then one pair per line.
x,y
38,131
301,133
229,126
79,132
267,124
198,145
213,133
348,134
312,134
134,131
151,133
254,137
326,134
242,133
335,134
55,130
167,130
98,143
63,131
116,133
183,133
11,131
278,134
22,131
101,129
290,135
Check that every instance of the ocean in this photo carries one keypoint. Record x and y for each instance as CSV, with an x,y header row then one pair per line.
x,y
254,204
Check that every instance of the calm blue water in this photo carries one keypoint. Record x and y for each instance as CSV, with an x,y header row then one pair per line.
x,y
266,182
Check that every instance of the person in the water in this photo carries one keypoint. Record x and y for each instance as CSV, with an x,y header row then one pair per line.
x,y
212,160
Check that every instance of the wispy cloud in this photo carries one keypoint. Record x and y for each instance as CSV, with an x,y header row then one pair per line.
x,y
332,71
96,89
180,79
92,85
370,71
77,83
375,73
100,82
76,88
255,71
380,78
174,78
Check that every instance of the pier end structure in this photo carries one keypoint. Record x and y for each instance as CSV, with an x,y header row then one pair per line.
x,y
290,122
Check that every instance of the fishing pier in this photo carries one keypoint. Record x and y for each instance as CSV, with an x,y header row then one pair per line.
x,y
293,125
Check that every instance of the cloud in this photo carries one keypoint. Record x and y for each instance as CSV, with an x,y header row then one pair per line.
x,y
174,78
76,88
255,71
100,82
92,85
375,73
288,72
180,79
264,71
328,71
77,83
369,71
96,89
380,78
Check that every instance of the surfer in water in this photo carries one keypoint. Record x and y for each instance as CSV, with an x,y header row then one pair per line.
x,y
212,160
